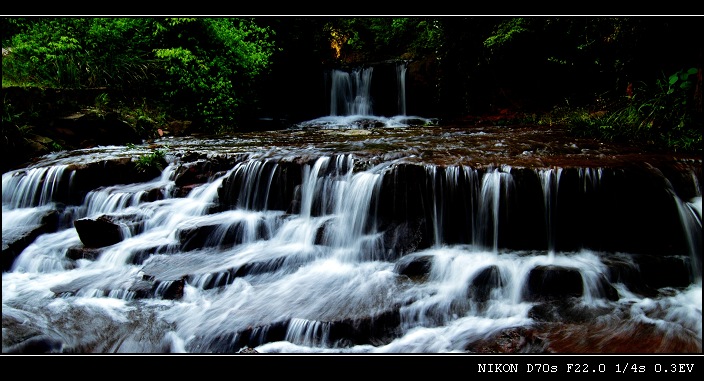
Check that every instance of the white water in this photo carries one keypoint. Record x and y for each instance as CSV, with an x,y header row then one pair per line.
x,y
319,268
323,279
352,105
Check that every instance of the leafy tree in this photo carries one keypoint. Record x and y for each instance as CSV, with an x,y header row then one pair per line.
x,y
218,71
359,39
68,52
48,53
615,64
210,64
203,68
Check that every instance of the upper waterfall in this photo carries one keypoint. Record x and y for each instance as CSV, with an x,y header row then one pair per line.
x,y
353,103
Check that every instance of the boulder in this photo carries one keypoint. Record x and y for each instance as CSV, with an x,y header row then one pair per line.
x,y
98,232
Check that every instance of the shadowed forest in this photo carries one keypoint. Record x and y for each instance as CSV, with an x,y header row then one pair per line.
x,y
635,79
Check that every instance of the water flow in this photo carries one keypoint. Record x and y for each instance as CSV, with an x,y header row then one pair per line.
x,y
690,213
35,186
351,92
401,81
495,188
351,102
322,278
550,180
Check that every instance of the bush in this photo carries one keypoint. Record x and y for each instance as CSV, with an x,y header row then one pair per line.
x,y
154,161
663,116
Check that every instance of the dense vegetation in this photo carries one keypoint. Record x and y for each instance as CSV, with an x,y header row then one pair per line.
x,y
617,78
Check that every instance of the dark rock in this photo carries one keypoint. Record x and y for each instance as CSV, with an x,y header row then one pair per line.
x,y
217,235
98,232
625,270
605,289
190,173
553,282
414,266
16,239
36,345
665,271
376,330
510,340
567,310
403,238
281,179
486,280
172,290
232,342
80,252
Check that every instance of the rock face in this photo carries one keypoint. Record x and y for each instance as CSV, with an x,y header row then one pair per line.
x,y
624,210
409,209
67,120
17,238
68,133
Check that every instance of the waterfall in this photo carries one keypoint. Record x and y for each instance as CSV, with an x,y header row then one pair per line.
x,y
495,187
401,90
351,92
35,186
438,206
323,250
312,186
352,103
690,213
550,180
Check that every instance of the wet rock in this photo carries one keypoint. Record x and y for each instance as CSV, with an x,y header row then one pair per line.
x,y
623,269
36,345
172,290
414,266
16,239
665,271
217,235
99,232
81,252
403,238
232,342
241,187
486,280
376,330
553,282
645,274
567,310
511,340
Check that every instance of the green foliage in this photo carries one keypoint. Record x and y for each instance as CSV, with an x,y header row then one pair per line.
x,y
47,54
382,38
17,120
144,117
210,70
9,114
660,117
210,66
204,68
153,161
55,147
70,52
506,32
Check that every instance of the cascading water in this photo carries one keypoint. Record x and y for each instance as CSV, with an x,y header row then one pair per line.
x,y
550,178
355,233
319,252
401,90
690,213
351,93
352,104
